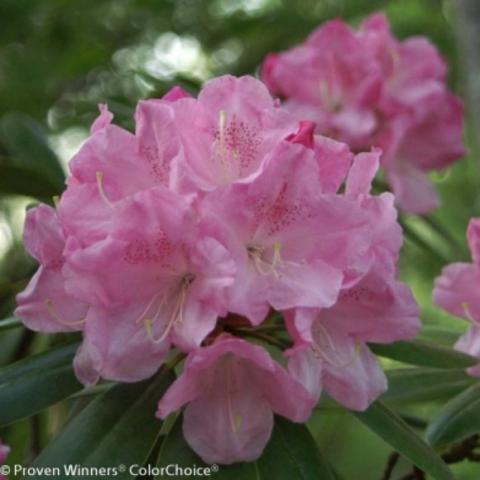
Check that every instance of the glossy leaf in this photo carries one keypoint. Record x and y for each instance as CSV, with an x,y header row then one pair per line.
x,y
458,419
9,323
424,354
424,384
393,430
25,141
293,453
290,453
32,384
117,428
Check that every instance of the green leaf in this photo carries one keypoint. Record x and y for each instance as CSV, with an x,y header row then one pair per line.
x,y
23,181
117,428
457,420
424,354
9,323
36,382
441,335
25,140
393,430
424,384
293,453
290,453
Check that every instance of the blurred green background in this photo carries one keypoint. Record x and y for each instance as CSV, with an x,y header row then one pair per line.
x,y
60,58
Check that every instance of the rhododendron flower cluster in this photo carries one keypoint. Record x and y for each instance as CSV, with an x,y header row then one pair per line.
x,y
195,231
367,88
456,291
4,452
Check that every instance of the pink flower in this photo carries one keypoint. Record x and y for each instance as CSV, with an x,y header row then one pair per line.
x,y
159,277
114,164
369,89
217,210
45,305
292,244
330,349
226,133
4,452
456,291
232,389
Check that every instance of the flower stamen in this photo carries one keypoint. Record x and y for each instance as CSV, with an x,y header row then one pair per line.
x,y
466,310
99,177
176,316
256,253
322,353
50,304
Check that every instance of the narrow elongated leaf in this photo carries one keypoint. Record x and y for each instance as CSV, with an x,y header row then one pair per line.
x,y
116,430
424,354
24,139
437,335
9,323
458,419
36,382
290,453
424,384
393,430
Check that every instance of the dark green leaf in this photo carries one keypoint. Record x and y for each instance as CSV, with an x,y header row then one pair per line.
x,y
393,430
23,138
9,323
117,428
458,419
32,384
290,453
424,384
23,181
424,354
293,453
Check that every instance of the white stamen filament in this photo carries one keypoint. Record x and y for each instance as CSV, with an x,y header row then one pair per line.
x,y
235,420
99,177
328,98
49,303
264,267
221,147
176,316
468,313
322,352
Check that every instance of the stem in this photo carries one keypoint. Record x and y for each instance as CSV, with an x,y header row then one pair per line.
x,y
390,467
458,452
175,361
263,329
264,337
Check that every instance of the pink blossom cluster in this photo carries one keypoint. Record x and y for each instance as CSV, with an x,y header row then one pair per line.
x,y
4,452
193,233
456,291
367,88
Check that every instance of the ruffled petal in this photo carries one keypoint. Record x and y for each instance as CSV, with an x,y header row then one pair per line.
x,y
45,306
456,291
